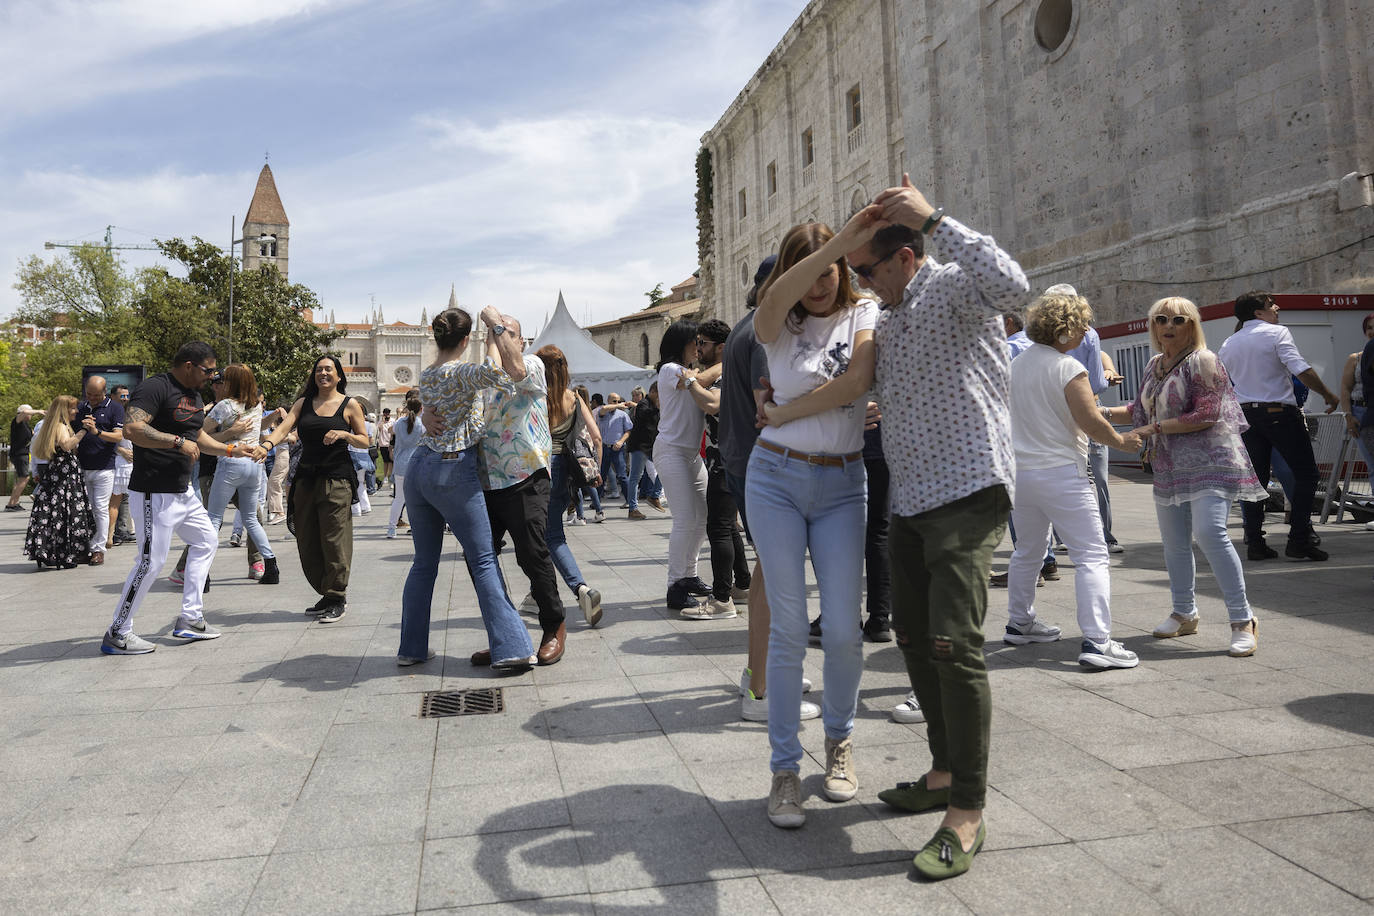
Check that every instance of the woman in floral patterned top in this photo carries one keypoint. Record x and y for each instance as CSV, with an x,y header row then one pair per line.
x,y
443,486
1188,413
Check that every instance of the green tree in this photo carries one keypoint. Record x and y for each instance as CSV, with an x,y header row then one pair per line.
x,y
655,296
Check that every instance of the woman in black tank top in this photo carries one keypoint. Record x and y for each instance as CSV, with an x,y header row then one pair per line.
x,y
325,485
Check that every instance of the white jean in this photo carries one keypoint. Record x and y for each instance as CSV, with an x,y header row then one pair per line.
x,y
684,481
156,517
1062,497
99,489
364,504
399,502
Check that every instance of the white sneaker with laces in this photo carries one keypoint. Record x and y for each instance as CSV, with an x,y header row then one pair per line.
x,y
755,709
1036,632
711,610
908,712
1109,654
840,782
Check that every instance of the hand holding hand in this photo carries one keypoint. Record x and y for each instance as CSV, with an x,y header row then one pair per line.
x,y
1130,442
862,226
685,378
872,415
763,394
905,205
89,423
1142,432
491,316
190,449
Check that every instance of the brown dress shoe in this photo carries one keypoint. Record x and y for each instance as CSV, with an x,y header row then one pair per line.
x,y
98,558
551,646
481,658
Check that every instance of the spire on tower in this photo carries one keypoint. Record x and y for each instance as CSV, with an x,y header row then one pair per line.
x,y
452,296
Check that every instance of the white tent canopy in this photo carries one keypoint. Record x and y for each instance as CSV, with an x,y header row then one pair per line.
x,y
589,364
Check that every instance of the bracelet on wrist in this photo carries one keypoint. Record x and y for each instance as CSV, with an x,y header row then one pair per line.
x,y
931,220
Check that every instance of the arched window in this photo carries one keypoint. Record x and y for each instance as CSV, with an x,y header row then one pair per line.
x,y
611,347
644,349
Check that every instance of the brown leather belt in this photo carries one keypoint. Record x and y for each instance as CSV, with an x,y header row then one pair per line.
x,y
830,461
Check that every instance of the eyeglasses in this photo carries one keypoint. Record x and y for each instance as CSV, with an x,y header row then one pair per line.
x,y
1175,320
208,370
867,270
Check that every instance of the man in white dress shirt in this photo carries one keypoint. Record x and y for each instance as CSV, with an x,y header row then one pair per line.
x,y
1262,359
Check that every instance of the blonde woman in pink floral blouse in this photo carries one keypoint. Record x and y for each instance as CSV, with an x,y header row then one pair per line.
x,y
1188,415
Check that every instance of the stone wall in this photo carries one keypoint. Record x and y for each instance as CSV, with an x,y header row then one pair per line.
x,y
1163,147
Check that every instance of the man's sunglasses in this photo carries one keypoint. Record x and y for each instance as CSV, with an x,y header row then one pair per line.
x,y
866,272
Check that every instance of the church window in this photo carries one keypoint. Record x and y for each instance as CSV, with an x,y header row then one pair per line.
x,y
743,204
644,349
772,178
853,104
808,148
611,347
1054,20
272,246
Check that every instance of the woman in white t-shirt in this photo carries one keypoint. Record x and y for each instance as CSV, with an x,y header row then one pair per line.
x,y
236,473
677,453
807,490
1053,413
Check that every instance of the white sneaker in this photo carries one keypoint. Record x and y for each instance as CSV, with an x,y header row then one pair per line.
x,y
600,516
391,532
1109,654
755,709
1036,632
908,712
579,521
1369,526
1244,638
1114,547
746,674
841,784
711,610
785,801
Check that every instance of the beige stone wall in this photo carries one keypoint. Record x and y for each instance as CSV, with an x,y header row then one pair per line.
x,y
252,259
1163,148
627,340
832,47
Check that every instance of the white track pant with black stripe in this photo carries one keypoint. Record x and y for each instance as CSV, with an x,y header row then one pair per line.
x,y
156,516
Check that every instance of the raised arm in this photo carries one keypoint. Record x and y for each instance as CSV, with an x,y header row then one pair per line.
x,y
708,399
788,289
504,348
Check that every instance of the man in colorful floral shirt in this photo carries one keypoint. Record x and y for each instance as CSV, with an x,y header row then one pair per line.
x,y
514,458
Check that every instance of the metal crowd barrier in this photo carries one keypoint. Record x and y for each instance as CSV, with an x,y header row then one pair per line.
x,y
1341,465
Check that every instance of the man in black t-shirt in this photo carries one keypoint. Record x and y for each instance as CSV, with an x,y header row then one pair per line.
x,y
163,421
20,438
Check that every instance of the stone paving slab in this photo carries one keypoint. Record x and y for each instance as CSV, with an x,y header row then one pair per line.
x,y
284,768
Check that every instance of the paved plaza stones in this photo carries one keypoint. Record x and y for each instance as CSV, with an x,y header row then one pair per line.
x,y
284,768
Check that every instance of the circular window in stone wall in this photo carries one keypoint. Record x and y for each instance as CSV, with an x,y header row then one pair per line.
x,y
402,375
744,279
1054,22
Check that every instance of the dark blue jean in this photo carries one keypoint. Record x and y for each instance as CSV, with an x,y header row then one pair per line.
x,y
557,540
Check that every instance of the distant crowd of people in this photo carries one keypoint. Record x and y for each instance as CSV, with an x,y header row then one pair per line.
x,y
884,413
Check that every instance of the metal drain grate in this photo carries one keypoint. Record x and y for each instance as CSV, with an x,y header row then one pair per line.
x,y
476,702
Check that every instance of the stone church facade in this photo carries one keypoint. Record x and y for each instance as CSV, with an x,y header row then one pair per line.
x,y
1135,150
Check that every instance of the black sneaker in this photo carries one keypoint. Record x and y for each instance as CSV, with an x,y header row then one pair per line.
x,y
1303,551
1050,570
695,586
678,598
15,508
814,638
333,611
878,629
318,607
1258,550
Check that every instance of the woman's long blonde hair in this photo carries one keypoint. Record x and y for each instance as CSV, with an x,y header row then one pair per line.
x,y
54,420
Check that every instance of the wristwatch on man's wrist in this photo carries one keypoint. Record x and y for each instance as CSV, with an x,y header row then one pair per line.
x,y
498,329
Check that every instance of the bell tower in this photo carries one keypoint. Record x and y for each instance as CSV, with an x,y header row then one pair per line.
x,y
266,217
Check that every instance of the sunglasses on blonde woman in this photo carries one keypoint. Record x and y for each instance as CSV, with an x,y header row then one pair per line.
x,y
1175,320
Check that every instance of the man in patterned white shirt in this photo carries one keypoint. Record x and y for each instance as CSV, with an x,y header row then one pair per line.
x,y
943,379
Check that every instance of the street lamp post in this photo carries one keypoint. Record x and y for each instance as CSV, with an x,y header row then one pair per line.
x,y
233,230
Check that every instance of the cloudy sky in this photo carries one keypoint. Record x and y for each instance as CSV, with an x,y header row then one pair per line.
x,y
510,148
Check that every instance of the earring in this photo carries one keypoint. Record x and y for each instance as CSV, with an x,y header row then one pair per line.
x,y
1063,338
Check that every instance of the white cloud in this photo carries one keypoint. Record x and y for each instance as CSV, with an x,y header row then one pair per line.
x,y
63,52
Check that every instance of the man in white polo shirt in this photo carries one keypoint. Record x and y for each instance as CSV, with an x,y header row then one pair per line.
x,y
1262,359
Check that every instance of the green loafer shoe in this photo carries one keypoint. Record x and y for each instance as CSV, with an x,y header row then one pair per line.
x,y
944,856
914,796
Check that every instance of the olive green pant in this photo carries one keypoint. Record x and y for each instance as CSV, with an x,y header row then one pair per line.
x,y
324,533
940,565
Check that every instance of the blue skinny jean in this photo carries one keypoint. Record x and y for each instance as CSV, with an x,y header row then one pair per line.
x,y
563,559
822,509
448,491
1203,518
242,476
